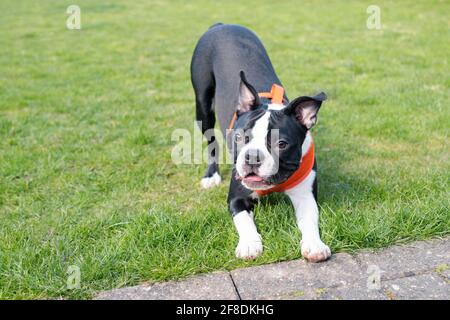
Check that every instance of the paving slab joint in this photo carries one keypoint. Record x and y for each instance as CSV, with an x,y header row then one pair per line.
x,y
234,285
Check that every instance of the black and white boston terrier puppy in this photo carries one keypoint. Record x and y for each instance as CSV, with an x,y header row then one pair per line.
x,y
233,79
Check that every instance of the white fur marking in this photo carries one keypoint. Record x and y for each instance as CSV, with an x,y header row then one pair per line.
x,y
306,143
260,129
254,196
211,182
250,243
259,132
276,106
307,214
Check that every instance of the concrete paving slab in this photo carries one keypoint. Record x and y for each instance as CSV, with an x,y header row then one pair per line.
x,y
296,278
356,292
422,287
217,285
446,275
406,260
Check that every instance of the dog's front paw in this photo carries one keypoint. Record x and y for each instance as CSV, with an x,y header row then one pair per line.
x,y
210,182
315,251
249,249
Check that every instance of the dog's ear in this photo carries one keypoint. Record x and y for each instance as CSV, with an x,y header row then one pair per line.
x,y
248,97
305,109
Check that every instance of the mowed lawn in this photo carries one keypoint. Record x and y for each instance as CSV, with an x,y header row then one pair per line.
x,y
86,118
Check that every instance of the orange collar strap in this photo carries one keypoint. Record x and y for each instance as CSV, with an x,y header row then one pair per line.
x,y
305,168
276,95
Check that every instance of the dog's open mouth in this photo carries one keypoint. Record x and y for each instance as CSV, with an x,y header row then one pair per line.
x,y
253,181
253,177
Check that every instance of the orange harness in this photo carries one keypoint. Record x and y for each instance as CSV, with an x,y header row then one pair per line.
x,y
276,95
305,168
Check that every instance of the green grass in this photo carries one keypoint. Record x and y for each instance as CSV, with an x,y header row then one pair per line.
x,y
86,118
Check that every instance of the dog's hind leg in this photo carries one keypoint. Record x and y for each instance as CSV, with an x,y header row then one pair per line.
x,y
205,116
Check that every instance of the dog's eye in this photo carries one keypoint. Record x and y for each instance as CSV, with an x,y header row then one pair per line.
x,y
238,138
282,145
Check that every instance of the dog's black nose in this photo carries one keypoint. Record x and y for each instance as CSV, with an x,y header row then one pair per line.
x,y
253,157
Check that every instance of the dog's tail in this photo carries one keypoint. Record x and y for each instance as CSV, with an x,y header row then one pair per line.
x,y
216,25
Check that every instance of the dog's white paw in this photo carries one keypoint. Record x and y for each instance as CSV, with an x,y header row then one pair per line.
x,y
211,182
249,249
315,251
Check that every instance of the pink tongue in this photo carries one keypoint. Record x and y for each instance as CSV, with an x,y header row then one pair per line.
x,y
254,178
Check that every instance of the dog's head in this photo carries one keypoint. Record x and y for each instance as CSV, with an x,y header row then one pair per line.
x,y
267,140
